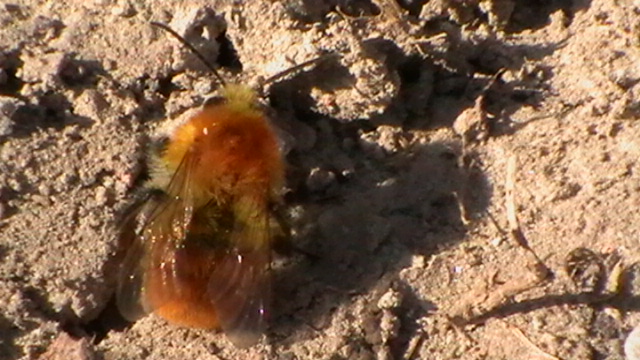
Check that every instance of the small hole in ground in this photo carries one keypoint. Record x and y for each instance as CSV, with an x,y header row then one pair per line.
x,y
109,319
228,56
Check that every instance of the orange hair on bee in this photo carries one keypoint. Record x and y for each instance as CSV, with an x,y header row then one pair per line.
x,y
235,147
201,255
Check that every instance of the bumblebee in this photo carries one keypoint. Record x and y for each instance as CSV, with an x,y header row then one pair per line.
x,y
198,245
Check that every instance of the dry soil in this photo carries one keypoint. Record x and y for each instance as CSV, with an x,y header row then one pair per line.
x,y
465,172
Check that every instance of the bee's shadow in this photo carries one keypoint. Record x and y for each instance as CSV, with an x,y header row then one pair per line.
x,y
381,207
367,224
367,231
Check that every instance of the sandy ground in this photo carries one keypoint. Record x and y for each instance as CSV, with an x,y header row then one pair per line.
x,y
466,173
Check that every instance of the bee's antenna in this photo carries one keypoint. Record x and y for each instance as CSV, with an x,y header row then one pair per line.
x,y
299,66
192,48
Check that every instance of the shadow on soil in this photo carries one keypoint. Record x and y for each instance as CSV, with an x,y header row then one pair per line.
x,y
384,206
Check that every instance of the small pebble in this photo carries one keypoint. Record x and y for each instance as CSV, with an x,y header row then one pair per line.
x,y
320,179
632,344
390,300
123,9
8,107
417,262
102,196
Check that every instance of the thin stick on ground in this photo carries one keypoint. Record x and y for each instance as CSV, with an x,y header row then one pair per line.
x,y
414,343
515,231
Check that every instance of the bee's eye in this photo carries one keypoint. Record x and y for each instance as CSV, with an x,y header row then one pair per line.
x,y
215,100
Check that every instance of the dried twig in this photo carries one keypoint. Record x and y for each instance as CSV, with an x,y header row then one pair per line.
x,y
515,231
413,346
472,125
489,297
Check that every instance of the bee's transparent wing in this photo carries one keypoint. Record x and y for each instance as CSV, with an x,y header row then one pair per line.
x,y
130,283
152,247
131,269
239,286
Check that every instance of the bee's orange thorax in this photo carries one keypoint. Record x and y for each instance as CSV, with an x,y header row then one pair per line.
x,y
235,152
